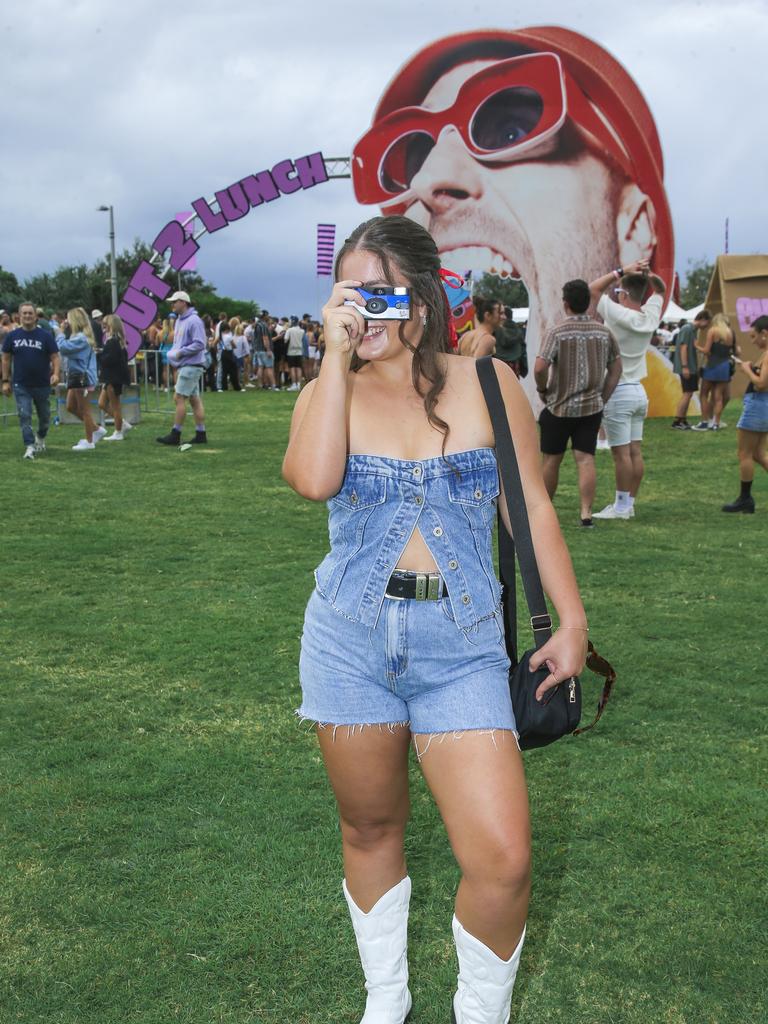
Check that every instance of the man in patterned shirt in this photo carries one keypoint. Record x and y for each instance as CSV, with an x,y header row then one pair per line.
x,y
576,372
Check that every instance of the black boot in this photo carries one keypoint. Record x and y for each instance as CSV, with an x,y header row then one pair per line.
x,y
742,504
174,438
200,437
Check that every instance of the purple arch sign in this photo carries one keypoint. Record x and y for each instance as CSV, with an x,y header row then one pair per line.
x,y
138,307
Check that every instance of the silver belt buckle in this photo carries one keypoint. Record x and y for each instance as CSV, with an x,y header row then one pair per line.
x,y
428,586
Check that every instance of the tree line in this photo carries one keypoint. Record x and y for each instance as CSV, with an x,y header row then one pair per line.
x,y
89,287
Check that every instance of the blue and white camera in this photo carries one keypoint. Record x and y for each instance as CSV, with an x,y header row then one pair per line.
x,y
384,303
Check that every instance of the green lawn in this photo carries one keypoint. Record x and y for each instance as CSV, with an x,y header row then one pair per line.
x,y
170,851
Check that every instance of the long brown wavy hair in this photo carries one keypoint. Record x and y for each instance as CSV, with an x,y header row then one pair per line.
x,y
400,242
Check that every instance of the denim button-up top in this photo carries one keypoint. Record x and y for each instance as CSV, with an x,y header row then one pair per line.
x,y
382,501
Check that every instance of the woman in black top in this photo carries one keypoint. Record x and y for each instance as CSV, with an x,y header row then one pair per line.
x,y
752,428
719,347
113,370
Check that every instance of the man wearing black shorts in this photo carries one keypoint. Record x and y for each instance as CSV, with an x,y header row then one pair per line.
x,y
576,372
294,350
686,366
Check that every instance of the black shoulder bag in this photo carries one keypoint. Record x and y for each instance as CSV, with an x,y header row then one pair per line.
x,y
559,714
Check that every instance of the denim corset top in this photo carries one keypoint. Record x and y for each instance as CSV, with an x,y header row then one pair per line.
x,y
452,502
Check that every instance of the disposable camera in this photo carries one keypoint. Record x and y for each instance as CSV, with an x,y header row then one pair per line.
x,y
384,303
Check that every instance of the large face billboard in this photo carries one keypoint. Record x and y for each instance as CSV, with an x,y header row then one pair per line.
x,y
528,154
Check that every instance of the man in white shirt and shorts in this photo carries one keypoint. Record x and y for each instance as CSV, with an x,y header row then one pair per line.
x,y
632,322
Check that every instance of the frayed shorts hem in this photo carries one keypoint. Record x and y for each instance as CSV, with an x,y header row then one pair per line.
x,y
437,735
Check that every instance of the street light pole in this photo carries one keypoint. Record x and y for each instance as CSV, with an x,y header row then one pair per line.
x,y
112,260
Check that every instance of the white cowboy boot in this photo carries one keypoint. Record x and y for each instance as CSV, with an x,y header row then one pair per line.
x,y
485,981
382,941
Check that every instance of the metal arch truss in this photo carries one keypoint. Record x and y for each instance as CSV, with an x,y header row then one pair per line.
x,y
336,167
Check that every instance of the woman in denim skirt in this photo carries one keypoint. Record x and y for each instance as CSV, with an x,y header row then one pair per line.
x,y
403,637
752,428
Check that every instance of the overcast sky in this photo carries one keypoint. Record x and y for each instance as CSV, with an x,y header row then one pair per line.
x,y
147,106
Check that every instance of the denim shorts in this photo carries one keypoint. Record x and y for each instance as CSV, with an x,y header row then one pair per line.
x,y
755,413
717,374
188,381
415,668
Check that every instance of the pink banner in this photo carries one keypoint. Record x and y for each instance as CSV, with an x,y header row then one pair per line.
x,y
189,232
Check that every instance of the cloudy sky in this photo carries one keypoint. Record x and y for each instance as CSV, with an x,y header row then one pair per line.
x,y
147,106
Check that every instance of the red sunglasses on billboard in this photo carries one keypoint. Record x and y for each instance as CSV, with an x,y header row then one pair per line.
x,y
507,111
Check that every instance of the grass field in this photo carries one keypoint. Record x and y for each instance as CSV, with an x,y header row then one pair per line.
x,y
170,851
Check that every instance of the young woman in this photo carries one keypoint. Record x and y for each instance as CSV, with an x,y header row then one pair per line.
x,y
242,352
719,346
167,376
80,351
408,467
752,428
114,375
229,368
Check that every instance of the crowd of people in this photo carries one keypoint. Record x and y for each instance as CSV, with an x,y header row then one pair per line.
x,y
95,357
272,353
588,373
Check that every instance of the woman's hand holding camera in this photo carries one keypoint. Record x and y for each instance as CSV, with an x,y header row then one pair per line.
x,y
565,655
343,326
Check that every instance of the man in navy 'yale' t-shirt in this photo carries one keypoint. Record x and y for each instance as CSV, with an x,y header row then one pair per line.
x,y
35,358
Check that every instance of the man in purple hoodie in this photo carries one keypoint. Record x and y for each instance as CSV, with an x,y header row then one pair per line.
x,y
190,345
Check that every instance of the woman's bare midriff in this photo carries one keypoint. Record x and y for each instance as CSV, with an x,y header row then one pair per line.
x,y
396,416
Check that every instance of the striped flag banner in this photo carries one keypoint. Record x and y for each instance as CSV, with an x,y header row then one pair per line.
x,y
326,239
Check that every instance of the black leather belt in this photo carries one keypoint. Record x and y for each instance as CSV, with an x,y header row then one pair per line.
x,y
416,586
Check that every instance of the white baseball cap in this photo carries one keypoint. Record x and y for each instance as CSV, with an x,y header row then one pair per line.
x,y
95,313
179,295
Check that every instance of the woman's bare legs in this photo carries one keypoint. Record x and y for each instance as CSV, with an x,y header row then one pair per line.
x,y
705,400
718,401
478,783
751,450
78,405
116,407
368,770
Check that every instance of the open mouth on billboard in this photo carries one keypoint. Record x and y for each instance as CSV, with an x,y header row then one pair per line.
x,y
479,258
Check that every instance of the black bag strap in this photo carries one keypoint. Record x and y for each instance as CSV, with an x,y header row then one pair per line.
x,y
509,473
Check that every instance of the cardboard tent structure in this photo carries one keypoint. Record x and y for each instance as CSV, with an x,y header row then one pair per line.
x,y
739,288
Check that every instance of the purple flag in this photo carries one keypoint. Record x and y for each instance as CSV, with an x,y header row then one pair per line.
x,y
326,237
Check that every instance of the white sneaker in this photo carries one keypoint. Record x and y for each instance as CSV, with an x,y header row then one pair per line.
x,y
611,512
29,452
603,446
126,425
116,436
98,433
39,444
83,445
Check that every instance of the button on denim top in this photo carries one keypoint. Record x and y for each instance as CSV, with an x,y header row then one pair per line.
x,y
382,501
